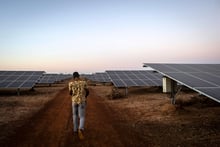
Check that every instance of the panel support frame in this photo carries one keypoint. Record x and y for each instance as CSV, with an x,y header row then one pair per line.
x,y
174,91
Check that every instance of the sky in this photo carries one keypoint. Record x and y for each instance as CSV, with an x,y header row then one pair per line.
x,y
96,35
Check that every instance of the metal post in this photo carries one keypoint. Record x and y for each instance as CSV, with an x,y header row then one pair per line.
x,y
173,91
18,91
126,91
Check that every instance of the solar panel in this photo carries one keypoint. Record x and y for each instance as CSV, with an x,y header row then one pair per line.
x,y
88,76
52,78
132,78
203,78
101,77
27,84
19,79
98,77
48,79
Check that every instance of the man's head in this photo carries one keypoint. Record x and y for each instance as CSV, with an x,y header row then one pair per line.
x,y
75,75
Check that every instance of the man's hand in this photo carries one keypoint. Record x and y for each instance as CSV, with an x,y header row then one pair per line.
x,y
87,91
71,92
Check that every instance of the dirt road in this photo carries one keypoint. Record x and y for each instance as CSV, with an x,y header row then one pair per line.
x,y
52,126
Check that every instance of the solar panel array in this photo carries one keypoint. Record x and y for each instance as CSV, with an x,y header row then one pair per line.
x,y
19,79
203,78
132,78
52,78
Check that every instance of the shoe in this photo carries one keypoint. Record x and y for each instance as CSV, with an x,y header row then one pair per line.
x,y
80,134
75,133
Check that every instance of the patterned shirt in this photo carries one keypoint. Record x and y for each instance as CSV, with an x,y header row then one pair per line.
x,y
78,91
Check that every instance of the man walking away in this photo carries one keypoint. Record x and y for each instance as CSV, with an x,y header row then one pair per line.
x,y
79,92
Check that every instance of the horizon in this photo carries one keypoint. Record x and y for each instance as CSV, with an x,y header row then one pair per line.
x,y
94,36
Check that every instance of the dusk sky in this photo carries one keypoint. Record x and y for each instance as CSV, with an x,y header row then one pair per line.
x,y
97,35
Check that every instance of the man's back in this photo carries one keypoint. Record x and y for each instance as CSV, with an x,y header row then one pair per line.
x,y
78,88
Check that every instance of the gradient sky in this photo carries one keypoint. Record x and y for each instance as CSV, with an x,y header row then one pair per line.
x,y
97,35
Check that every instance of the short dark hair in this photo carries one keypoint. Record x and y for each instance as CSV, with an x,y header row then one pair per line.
x,y
75,75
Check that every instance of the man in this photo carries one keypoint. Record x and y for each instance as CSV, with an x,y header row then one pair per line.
x,y
79,92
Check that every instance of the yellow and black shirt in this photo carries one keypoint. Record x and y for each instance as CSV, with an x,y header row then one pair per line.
x,y
78,91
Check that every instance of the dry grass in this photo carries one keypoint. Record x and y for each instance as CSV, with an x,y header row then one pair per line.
x,y
192,121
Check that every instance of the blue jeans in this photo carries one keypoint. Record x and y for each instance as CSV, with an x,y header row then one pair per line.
x,y
79,111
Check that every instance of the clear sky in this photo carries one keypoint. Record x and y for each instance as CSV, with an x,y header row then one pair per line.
x,y
97,35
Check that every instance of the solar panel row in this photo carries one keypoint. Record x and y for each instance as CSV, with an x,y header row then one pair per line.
x,y
127,78
18,73
19,79
204,78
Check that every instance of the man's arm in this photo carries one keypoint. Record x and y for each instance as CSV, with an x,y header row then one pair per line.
x,y
86,89
87,92
70,88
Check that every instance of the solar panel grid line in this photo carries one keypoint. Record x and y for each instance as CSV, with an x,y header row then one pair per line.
x,y
12,80
22,85
196,77
148,82
172,67
211,67
4,84
122,84
15,84
159,82
183,68
28,81
126,76
27,78
142,76
147,76
163,68
137,77
217,74
27,85
198,67
47,79
207,87
152,76
118,77
115,79
153,81
129,80
194,66
209,77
